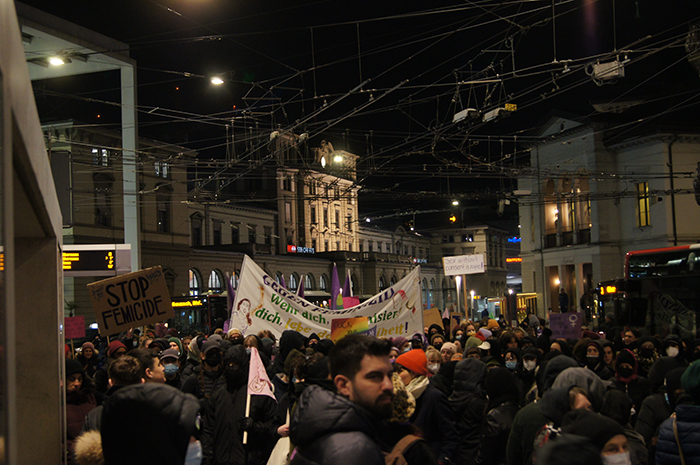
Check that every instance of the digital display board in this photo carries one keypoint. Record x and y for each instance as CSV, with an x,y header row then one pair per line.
x,y
88,260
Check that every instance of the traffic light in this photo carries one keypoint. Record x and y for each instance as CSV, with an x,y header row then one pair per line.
x,y
453,218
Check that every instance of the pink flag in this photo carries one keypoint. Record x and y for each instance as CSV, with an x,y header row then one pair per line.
x,y
258,382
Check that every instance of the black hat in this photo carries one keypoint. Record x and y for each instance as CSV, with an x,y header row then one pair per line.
x,y
209,345
597,428
170,353
72,367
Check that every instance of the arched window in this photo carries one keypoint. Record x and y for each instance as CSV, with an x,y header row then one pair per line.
x,y
234,281
195,282
279,277
293,282
382,284
323,283
309,282
392,281
216,282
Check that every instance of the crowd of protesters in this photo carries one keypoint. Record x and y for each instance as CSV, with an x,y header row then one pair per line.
x,y
481,393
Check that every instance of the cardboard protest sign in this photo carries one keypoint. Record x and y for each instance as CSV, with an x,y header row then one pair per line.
x,y
130,300
565,325
74,327
432,316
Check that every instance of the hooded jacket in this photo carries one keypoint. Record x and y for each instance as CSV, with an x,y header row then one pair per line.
x,y
329,429
585,379
288,341
221,419
170,413
468,402
503,405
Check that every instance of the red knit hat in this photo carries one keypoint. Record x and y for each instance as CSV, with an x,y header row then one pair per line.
x,y
415,361
113,347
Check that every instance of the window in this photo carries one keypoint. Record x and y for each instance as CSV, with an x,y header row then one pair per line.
x,y
382,284
349,221
325,246
312,214
337,218
288,212
195,282
642,204
196,230
322,283
336,193
163,213
103,202
252,233
162,169
216,227
287,183
325,217
235,234
337,245
234,281
309,282
313,244
312,188
293,282
268,235
100,157
215,280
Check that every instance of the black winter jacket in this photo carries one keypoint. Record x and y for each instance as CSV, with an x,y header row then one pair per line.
x,y
654,411
494,433
468,402
221,436
329,429
434,417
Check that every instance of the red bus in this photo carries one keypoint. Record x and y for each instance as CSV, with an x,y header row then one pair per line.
x,y
660,293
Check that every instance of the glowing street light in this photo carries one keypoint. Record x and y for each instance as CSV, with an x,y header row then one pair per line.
x,y
455,202
217,81
56,61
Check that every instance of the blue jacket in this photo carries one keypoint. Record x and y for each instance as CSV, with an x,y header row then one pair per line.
x,y
688,422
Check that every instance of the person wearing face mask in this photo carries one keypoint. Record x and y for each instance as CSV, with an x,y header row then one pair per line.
x,y
206,378
595,361
433,414
511,358
437,340
169,359
673,346
627,380
525,373
401,343
502,406
434,360
679,437
393,354
224,419
604,433
647,353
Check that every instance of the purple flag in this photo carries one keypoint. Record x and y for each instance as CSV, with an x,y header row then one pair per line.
x,y
347,292
230,295
300,288
335,288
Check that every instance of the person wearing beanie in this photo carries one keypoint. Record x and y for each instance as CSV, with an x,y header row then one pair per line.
x,y
604,433
647,353
569,449
673,347
437,340
433,414
115,350
595,360
628,380
80,400
447,351
401,343
88,359
206,378
618,406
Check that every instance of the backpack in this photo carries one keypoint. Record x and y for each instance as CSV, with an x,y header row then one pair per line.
x,y
396,457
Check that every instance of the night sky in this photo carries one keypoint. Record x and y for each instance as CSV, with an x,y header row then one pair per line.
x,y
283,61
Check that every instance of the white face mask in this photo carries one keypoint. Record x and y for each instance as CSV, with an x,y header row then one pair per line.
x,y
672,351
529,365
194,453
617,459
433,367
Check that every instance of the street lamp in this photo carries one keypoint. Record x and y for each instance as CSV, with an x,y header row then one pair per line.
x,y
217,81
472,302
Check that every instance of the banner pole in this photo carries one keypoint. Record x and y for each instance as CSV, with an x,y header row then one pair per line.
x,y
247,414
72,347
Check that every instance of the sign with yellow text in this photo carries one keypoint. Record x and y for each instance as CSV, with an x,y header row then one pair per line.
x,y
130,300
261,303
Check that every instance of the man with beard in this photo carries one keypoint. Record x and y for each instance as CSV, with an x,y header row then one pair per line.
x,y
330,427
224,417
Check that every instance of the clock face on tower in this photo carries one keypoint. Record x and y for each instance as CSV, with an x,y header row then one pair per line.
x,y
323,161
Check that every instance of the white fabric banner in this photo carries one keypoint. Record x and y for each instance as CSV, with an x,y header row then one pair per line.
x,y
261,303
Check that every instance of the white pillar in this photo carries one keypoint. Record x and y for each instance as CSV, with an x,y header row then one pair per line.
x,y
132,228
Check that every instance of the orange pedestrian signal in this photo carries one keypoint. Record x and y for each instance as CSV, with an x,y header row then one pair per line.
x,y
453,219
